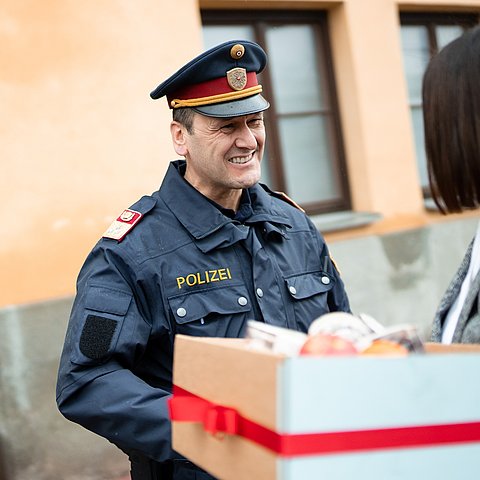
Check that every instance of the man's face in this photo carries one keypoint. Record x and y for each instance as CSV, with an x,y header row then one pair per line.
x,y
224,154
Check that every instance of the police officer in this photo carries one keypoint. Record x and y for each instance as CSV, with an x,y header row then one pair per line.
x,y
211,249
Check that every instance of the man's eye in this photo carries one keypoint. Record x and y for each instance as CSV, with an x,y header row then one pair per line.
x,y
226,128
256,122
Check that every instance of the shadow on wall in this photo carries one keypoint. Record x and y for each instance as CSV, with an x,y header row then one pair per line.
x,y
409,256
401,277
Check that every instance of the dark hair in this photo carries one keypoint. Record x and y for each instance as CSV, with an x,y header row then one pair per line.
x,y
184,116
451,112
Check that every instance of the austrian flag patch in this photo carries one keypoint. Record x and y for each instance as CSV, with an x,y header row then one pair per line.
x,y
123,224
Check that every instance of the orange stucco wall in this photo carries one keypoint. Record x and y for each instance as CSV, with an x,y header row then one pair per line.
x,y
80,138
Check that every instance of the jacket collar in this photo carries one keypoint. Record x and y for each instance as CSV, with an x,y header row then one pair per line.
x,y
205,222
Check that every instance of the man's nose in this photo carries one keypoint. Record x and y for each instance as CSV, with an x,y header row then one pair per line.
x,y
246,138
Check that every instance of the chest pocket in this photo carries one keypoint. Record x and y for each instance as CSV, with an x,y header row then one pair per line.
x,y
218,312
309,295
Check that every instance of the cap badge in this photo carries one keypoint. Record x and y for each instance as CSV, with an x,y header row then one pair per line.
x,y
237,78
237,51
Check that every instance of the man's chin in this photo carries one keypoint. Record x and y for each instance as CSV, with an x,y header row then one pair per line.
x,y
249,181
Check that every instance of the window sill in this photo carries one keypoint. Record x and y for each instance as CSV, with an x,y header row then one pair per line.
x,y
430,205
332,222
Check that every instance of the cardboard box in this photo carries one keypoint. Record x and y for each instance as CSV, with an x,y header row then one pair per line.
x,y
416,417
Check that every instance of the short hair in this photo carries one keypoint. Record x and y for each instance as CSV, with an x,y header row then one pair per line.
x,y
451,110
184,116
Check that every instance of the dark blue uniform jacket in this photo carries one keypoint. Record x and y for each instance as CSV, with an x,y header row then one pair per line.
x,y
184,268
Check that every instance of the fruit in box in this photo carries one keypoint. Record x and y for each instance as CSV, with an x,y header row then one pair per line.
x,y
327,344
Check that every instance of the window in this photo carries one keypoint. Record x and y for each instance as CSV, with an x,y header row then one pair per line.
x,y
423,35
304,153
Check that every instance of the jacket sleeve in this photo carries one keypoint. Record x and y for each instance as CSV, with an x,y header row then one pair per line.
x,y
107,333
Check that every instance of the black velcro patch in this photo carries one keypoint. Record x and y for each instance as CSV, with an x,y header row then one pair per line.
x,y
96,336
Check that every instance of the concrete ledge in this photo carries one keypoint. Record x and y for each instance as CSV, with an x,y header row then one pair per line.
x,y
332,222
36,441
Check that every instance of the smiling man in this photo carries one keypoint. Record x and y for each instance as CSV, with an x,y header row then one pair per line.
x,y
211,249
223,155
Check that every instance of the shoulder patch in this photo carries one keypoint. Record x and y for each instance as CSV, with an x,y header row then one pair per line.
x,y
286,198
123,224
129,218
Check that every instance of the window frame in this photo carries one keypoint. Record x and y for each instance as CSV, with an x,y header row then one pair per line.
x,y
431,20
259,20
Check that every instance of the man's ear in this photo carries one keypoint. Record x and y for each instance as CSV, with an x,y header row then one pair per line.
x,y
178,133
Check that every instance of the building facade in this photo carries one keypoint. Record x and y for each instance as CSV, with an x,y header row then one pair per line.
x,y
81,140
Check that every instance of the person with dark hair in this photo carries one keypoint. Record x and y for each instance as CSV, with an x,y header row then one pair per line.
x,y
210,250
451,109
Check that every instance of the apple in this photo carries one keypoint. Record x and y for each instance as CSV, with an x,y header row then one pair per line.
x,y
327,344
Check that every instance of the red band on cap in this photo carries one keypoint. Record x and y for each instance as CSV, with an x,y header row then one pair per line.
x,y
210,88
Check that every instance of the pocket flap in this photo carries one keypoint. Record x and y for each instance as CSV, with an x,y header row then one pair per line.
x,y
308,284
107,300
196,305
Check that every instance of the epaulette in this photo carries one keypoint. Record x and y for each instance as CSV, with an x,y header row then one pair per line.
x,y
129,218
282,196
335,265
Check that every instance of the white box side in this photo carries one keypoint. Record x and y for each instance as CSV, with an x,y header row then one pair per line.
x,y
452,462
351,393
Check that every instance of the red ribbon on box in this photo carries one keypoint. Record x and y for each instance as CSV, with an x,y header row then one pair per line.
x,y
187,407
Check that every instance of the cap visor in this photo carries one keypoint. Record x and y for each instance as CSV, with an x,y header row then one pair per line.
x,y
245,106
